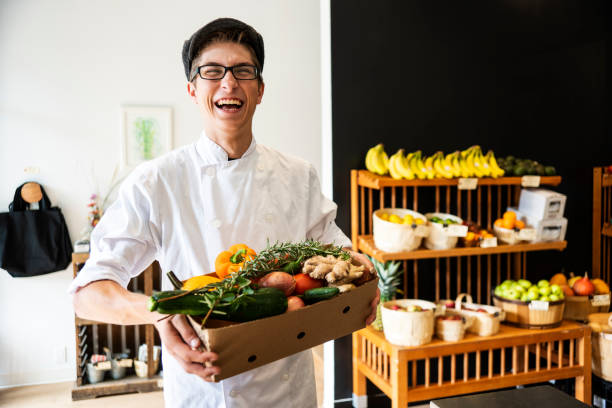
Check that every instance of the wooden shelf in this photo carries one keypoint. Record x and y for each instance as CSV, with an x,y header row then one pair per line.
x,y
366,245
606,180
126,385
371,180
607,229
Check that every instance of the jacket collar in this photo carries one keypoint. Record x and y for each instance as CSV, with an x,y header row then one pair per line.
x,y
212,153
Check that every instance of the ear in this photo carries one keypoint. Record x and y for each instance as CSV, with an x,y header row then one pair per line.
x,y
191,90
260,92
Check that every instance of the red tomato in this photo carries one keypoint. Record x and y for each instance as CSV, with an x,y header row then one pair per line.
x,y
304,282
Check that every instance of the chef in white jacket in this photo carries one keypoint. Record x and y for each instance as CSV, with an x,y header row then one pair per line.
x,y
184,208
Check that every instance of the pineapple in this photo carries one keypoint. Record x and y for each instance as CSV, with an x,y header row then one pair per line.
x,y
388,281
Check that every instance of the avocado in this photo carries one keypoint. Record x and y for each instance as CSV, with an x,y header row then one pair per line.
x,y
520,170
541,170
550,170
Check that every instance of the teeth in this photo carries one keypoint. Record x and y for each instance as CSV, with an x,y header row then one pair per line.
x,y
229,102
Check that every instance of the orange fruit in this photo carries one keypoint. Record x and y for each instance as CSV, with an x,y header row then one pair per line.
x,y
509,215
507,223
498,223
519,224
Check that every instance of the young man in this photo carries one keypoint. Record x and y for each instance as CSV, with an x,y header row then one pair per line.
x,y
187,206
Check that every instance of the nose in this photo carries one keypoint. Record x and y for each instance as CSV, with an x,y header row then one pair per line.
x,y
229,81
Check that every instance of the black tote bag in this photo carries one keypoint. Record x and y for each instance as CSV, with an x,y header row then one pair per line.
x,y
33,242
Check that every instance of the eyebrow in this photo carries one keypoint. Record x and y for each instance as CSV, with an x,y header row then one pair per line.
x,y
235,65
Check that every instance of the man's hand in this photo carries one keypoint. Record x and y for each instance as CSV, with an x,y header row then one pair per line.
x,y
362,259
183,343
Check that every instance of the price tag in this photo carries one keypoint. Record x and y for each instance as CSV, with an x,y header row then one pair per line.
x,y
103,365
527,234
467,183
456,230
601,300
126,362
538,305
488,242
530,181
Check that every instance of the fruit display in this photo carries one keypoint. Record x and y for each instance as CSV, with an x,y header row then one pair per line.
x,y
508,229
580,285
444,231
408,322
509,221
525,291
470,162
407,219
524,167
398,229
485,319
452,326
475,235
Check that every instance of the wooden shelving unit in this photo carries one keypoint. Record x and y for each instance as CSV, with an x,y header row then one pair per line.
x,y
92,336
398,371
602,227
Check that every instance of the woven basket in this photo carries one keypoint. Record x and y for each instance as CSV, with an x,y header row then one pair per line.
x,y
580,307
522,315
393,237
453,330
404,328
601,343
484,324
142,368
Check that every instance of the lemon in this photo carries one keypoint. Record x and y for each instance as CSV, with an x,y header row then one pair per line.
x,y
198,282
419,221
384,216
408,219
395,219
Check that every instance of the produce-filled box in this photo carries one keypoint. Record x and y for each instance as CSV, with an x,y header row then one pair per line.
x,y
244,346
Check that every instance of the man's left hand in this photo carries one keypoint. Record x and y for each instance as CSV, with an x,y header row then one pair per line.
x,y
362,259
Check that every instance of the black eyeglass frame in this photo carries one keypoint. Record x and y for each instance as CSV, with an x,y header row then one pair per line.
x,y
225,69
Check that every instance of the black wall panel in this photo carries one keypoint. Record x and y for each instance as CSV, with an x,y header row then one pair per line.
x,y
521,77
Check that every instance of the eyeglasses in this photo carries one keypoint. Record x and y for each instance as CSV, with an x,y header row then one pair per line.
x,y
216,72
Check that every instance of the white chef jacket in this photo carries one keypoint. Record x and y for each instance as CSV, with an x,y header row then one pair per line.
x,y
185,207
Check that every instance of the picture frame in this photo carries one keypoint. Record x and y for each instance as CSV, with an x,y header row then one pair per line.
x,y
146,133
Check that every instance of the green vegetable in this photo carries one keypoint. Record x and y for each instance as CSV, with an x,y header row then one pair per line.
x,y
318,294
261,303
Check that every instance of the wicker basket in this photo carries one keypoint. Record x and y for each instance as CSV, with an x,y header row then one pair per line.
x,y
580,307
142,368
601,343
404,328
531,315
392,237
439,236
484,324
453,330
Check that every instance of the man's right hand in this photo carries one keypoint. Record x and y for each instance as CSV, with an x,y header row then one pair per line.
x,y
183,344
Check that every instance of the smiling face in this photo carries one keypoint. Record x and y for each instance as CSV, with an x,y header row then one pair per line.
x,y
227,105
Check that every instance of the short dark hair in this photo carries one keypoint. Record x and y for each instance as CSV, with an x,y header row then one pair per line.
x,y
222,29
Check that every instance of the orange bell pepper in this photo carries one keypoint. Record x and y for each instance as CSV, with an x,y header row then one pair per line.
x,y
231,261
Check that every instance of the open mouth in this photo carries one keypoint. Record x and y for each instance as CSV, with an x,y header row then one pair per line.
x,y
229,104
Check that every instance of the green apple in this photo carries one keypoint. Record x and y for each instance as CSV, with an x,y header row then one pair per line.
x,y
561,295
512,294
498,291
556,289
544,299
525,297
543,283
533,295
524,283
414,308
545,290
553,297
507,284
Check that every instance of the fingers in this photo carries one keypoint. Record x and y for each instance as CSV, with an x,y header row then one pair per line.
x,y
373,306
175,332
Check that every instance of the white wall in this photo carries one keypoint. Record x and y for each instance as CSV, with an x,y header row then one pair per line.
x,y
66,67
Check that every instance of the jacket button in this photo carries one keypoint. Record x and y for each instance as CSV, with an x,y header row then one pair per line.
x,y
260,167
234,393
285,377
216,223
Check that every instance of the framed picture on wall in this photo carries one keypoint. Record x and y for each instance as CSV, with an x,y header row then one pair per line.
x,y
146,133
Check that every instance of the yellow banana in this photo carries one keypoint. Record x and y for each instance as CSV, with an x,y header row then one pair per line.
x,y
453,159
416,165
466,171
380,160
403,167
481,163
441,166
471,164
429,170
368,160
393,166
496,171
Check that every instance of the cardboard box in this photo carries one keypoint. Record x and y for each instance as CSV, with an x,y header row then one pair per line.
x,y
547,230
244,346
541,204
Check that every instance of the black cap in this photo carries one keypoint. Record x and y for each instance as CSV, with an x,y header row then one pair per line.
x,y
229,26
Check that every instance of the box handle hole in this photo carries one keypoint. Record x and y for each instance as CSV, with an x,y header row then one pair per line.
x,y
346,309
301,335
252,358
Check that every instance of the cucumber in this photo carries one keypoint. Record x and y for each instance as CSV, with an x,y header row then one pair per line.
x,y
318,294
263,303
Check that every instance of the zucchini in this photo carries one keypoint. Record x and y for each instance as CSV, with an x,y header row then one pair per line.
x,y
263,303
318,294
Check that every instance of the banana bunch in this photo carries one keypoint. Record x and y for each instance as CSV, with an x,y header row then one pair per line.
x,y
377,160
467,163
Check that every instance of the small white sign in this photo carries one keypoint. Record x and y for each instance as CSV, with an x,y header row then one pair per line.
x,y
103,365
467,183
488,242
456,230
527,234
601,300
607,336
538,305
421,230
530,181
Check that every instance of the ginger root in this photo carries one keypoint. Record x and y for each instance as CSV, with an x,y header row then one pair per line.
x,y
335,271
344,288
